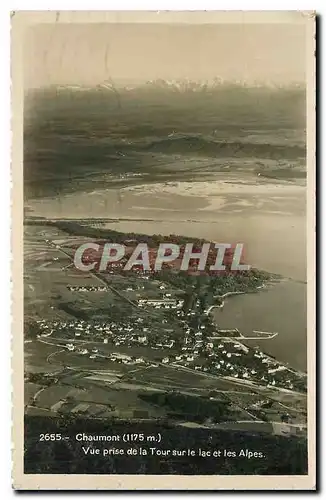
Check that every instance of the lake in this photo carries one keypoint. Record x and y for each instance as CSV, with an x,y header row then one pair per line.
x,y
280,308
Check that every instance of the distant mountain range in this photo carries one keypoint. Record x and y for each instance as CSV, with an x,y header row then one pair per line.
x,y
179,85
198,86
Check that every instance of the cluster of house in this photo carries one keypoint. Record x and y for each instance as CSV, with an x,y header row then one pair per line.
x,y
119,333
74,328
224,360
220,359
223,357
165,303
93,353
101,288
114,356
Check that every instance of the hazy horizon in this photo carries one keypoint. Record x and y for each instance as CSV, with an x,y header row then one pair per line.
x,y
88,54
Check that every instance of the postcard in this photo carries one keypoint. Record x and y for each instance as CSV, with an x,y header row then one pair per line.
x,y
163,250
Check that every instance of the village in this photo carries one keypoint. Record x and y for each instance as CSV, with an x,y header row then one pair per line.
x,y
204,349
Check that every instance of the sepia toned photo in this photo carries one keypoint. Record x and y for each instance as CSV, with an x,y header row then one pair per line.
x,y
163,170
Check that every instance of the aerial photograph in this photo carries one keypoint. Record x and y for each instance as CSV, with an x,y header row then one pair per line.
x,y
165,276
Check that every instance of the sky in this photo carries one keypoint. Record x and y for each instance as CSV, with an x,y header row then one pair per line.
x,y
89,54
